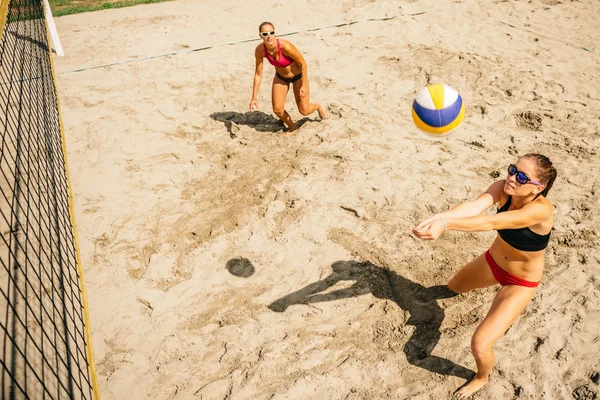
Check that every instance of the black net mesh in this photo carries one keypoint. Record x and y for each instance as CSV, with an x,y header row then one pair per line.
x,y
42,340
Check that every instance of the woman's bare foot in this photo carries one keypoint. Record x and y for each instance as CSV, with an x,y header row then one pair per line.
x,y
290,130
321,112
470,388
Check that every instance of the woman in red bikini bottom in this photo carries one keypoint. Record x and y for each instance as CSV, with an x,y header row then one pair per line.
x,y
515,259
290,67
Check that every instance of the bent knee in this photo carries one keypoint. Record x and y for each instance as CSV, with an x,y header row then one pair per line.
x,y
481,345
456,287
304,111
280,112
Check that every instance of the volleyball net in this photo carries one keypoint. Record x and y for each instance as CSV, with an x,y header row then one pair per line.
x,y
45,347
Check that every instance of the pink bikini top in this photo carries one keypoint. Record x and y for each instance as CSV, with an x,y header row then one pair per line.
x,y
282,60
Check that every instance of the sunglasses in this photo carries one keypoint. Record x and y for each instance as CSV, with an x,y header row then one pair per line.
x,y
265,34
521,177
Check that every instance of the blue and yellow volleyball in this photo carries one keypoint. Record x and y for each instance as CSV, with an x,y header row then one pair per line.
x,y
438,109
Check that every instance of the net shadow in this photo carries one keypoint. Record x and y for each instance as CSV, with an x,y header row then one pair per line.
x,y
42,340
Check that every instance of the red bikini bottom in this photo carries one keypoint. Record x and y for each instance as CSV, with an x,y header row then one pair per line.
x,y
503,277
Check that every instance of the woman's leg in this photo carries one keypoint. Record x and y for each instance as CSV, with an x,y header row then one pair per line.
x,y
475,275
509,302
278,95
304,105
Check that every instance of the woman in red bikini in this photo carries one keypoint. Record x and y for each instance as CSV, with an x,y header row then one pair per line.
x,y
516,258
290,67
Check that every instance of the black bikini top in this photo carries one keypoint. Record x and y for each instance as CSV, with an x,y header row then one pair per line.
x,y
523,238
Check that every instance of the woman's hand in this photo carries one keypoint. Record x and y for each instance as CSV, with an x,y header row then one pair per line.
x,y
426,222
430,229
253,105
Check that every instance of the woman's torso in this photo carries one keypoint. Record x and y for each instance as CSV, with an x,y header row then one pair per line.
x,y
527,265
278,59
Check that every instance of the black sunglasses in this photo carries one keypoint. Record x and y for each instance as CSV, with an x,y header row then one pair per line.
x,y
265,34
521,177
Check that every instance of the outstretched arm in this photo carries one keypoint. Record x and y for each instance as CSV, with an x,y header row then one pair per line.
x,y
469,208
258,71
530,214
475,207
291,51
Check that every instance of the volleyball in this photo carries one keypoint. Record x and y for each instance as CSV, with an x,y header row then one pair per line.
x,y
438,109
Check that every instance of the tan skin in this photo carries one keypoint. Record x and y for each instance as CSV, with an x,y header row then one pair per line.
x,y
280,88
525,211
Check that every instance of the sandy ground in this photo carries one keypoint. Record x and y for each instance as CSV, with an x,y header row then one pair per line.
x,y
224,261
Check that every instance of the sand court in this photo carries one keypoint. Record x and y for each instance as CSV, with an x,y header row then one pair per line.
x,y
223,260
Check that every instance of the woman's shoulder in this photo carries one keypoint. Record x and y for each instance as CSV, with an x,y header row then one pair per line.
x,y
285,45
259,49
503,198
542,200
496,190
548,212
540,205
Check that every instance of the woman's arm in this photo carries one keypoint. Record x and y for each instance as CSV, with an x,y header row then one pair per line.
x,y
469,208
258,71
291,51
475,207
530,214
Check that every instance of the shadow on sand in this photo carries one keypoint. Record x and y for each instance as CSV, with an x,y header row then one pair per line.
x,y
257,120
42,45
240,267
425,313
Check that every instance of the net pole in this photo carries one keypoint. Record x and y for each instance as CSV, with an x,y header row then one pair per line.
x,y
53,31
3,15
86,316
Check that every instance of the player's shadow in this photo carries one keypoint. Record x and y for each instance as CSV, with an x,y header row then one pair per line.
x,y
28,38
257,120
421,302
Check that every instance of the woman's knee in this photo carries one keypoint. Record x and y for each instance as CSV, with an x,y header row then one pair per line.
x,y
304,110
480,345
455,285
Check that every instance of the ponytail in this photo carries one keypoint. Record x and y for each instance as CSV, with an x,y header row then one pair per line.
x,y
546,172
